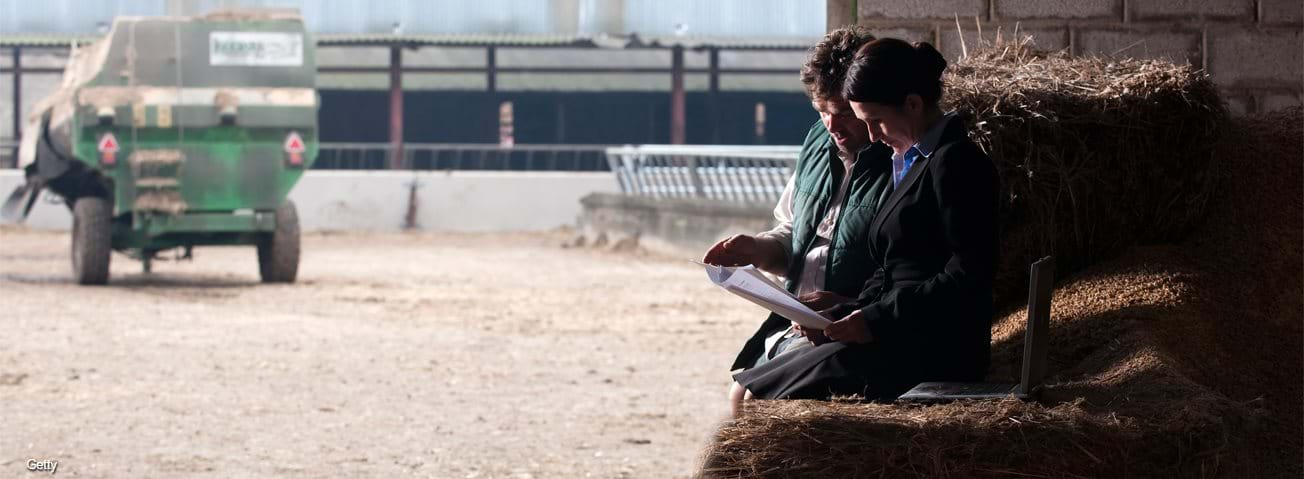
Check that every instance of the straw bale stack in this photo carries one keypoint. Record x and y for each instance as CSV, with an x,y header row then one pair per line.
x,y
1095,154
1170,360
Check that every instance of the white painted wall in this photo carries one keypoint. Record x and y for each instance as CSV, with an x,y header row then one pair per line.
x,y
377,200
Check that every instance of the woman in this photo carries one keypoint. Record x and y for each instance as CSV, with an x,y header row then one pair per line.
x,y
925,314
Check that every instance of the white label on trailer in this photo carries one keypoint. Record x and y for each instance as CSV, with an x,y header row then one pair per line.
x,y
259,49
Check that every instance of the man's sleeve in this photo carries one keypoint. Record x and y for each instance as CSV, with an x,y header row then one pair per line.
x,y
782,232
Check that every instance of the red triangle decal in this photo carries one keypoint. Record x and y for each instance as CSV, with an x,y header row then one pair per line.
x,y
108,143
294,143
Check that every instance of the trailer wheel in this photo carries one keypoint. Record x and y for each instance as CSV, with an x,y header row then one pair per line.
x,y
278,252
91,240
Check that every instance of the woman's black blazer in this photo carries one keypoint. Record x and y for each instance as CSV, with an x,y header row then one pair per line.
x,y
934,244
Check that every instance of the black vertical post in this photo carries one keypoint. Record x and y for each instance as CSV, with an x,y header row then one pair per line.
x,y
677,107
18,93
396,107
714,94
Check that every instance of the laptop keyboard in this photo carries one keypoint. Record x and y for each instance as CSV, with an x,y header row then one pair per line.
x,y
967,389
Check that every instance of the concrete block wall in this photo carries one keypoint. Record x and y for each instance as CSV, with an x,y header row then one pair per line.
x,y
1254,49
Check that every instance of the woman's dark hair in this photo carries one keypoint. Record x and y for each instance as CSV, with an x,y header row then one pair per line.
x,y
887,70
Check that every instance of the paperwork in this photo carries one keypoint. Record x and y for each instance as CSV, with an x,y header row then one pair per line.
x,y
750,284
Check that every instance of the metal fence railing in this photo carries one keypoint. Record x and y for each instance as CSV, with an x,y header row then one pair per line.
x,y
453,156
433,156
745,174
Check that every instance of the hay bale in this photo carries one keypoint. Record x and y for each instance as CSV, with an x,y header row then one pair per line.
x,y
1007,438
1095,154
1119,403
1174,360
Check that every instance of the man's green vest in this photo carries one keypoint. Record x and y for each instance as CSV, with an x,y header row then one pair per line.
x,y
818,176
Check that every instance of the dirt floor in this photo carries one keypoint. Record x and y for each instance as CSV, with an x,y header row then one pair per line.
x,y
421,355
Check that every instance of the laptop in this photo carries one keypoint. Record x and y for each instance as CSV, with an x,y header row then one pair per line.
x,y
1040,286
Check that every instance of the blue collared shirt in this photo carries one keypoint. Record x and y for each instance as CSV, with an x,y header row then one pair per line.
x,y
927,145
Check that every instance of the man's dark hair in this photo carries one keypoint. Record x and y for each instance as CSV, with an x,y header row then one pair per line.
x,y
826,65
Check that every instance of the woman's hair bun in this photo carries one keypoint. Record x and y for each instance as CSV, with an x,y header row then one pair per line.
x,y
888,70
928,60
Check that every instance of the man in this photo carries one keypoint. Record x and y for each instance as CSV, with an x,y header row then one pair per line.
x,y
820,244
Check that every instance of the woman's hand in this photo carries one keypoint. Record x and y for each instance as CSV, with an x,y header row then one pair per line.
x,y
815,336
851,329
822,300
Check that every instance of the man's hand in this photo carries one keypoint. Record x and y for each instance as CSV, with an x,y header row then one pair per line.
x,y
736,250
851,329
822,300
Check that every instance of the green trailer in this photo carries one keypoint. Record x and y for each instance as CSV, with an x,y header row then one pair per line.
x,y
176,132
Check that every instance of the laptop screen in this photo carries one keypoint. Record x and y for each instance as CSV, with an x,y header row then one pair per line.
x,y
1035,339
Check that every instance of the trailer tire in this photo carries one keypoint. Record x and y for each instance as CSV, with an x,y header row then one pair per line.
x,y
92,230
278,252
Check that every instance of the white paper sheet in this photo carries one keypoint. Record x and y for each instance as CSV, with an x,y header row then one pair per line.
x,y
751,284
